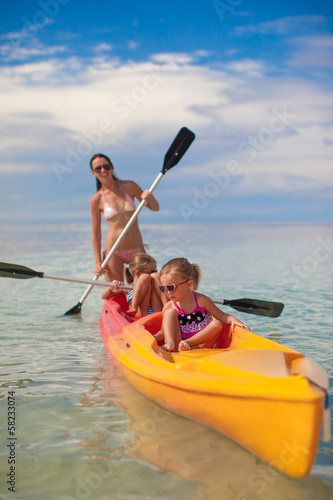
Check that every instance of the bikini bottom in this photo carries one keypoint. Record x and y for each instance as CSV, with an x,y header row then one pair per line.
x,y
126,255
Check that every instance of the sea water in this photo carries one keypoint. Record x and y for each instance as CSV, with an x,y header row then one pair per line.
x,y
77,430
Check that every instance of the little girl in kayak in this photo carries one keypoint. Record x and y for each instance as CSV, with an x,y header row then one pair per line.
x,y
190,319
145,298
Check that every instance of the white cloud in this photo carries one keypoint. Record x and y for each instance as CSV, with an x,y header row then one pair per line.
x,y
18,168
28,31
285,26
12,51
203,53
282,163
104,47
306,162
173,58
312,52
133,44
246,67
49,106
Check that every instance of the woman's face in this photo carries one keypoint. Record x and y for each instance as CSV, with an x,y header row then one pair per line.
x,y
101,167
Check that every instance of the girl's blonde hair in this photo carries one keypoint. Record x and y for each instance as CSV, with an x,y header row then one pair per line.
x,y
184,269
139,262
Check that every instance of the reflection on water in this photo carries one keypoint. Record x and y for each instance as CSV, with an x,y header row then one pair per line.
x,y
216,466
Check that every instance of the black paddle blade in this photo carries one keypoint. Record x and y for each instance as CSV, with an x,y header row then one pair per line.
x,y
259,307
16,271
178,148
75,310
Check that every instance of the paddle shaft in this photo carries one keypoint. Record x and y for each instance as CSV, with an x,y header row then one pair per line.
x,y
86,282
219,301
176,151
251,306
120,237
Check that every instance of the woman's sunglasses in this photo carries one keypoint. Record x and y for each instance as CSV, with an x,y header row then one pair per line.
x,y
170,288
106,166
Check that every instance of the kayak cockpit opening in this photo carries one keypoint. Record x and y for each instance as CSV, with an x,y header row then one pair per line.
x,y
153,323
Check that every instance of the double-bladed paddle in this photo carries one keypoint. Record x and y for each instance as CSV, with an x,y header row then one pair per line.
x,y
177,149
251,306
23,272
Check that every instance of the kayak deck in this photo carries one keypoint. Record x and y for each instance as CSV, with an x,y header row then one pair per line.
x,y
248,388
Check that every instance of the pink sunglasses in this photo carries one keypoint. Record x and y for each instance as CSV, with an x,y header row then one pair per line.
x,y
170,288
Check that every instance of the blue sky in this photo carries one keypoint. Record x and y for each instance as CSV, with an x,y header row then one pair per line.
x,y
252,79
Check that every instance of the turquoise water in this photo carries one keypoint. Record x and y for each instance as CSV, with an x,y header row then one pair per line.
x,y
82,432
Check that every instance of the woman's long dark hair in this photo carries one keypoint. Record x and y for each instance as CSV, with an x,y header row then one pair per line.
x,y
100,155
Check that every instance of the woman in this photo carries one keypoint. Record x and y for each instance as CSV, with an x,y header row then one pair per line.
x,y
115,199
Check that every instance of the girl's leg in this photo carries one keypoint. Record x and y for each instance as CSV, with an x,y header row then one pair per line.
x,y
205,338
171,330
142,294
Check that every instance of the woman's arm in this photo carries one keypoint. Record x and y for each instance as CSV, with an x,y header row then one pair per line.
x,y
136,191
96,232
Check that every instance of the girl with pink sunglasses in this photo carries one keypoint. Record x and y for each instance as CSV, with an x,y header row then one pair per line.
x,y
190,319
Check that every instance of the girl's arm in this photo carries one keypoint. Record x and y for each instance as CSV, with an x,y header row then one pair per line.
x,y
107,293
136,191
210,307
112,291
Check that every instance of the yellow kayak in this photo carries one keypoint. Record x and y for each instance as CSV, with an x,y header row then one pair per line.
x,y
266,397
